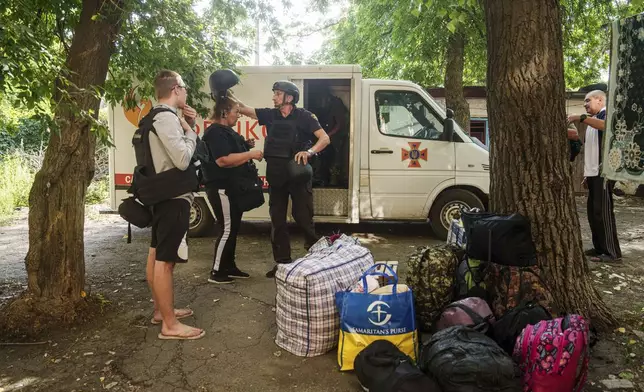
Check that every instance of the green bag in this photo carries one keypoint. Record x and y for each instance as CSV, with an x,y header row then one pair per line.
x,y
430,276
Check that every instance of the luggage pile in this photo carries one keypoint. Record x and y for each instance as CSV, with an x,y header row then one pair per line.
x,y
308,323
482,300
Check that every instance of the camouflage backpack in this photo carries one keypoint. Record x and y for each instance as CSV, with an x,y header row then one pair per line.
x,y
430,275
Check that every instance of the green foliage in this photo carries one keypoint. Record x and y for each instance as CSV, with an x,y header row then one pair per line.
x,y
407,39
20,129
168,34
16,176
98,192
156,34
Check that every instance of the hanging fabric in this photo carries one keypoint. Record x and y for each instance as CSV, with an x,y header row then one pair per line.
x,y
624,140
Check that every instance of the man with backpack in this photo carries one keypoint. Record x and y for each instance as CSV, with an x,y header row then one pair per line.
x,y
165,144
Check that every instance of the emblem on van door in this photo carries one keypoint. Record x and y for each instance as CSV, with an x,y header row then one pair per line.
x,y
414,154
139,109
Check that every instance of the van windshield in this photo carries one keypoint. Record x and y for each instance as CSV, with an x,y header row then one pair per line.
x,y
476,141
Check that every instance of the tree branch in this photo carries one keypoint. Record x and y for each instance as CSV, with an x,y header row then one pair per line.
x,y
326,26
60,31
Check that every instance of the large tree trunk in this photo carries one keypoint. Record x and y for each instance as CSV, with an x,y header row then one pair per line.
x,y
454,97
530,171
55,261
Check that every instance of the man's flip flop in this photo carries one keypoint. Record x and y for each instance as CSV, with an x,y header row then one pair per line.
x,y
179,337
605,259
179,317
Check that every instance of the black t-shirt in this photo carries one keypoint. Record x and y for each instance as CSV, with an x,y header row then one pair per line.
x,y
223,141
307,123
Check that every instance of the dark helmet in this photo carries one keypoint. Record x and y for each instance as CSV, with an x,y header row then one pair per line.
x,y
289,88
299,173
221,80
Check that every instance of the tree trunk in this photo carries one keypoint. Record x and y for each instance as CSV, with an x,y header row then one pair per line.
x,y
55,261
529,154
454,97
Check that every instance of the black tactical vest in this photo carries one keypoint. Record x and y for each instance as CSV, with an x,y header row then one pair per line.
x,y
149,186
282,137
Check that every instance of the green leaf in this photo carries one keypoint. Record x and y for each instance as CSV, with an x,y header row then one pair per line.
x,y
451,26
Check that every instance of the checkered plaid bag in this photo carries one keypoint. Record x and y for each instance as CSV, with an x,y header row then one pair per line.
x,y
308,323
325,242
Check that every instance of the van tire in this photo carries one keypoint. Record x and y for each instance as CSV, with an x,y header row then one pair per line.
x,y
201,220
446,204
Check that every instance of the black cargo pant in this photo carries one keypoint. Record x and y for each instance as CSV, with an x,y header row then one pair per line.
x,y
301,194
601,216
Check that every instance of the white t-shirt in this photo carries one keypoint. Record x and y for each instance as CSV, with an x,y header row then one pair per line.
x,y
592,148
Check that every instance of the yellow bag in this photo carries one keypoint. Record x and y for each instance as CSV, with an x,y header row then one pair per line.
x,y
386,313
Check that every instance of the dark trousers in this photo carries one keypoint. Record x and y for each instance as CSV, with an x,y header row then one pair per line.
x,y
229,219
302,199
601,216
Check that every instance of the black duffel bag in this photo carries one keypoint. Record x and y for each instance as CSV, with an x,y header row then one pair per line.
x,y
382,367
462,359
134,213
501,239
508,328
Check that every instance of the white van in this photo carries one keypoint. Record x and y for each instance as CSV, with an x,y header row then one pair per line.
x,y
408,161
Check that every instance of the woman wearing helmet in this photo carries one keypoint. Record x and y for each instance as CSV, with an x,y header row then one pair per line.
x,y
291,132
230,157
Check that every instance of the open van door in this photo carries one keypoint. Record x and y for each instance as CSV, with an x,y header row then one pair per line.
x,y
409,154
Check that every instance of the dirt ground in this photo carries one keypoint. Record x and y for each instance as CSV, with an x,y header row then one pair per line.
x,y
119,351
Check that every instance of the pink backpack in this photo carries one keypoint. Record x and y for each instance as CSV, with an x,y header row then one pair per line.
x,y
553,355
471,312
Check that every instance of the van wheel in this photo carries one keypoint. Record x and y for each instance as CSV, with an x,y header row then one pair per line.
x,y
201,220
447,205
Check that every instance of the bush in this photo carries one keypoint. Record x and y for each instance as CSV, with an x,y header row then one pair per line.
x,y
16,177
98,191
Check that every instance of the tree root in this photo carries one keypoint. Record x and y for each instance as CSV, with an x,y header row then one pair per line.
x,y
29,316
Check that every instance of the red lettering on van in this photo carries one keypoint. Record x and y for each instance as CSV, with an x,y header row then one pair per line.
x,y
122,179
249,130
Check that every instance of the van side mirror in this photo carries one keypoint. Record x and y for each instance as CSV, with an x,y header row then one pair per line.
x,y
448,126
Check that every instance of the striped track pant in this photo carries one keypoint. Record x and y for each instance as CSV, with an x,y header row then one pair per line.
x,y
229,219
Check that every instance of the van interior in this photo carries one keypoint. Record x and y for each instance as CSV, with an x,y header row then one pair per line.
x,y
330,101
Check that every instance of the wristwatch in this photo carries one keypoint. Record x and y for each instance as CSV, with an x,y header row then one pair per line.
x,y
311,152
583,118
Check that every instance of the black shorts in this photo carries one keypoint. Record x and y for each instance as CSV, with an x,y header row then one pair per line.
x,y
170,223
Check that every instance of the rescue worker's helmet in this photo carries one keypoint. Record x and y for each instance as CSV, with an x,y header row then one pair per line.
x,y
220,81
299,173
288,88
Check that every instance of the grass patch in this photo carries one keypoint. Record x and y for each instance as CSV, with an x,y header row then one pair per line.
x,y
98,191
17,171
16,178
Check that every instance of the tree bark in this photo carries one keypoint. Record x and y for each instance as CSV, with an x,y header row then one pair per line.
x,y
454,96
529,154
55,261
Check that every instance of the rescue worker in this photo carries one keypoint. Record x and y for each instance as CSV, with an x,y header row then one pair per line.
x,y
290,132
335,123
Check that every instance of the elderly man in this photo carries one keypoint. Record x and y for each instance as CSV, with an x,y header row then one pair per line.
x,y
600,193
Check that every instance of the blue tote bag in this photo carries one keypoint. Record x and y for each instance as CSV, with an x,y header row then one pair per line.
x,y
365,318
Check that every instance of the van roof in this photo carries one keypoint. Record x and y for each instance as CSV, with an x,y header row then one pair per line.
x,y
336,68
